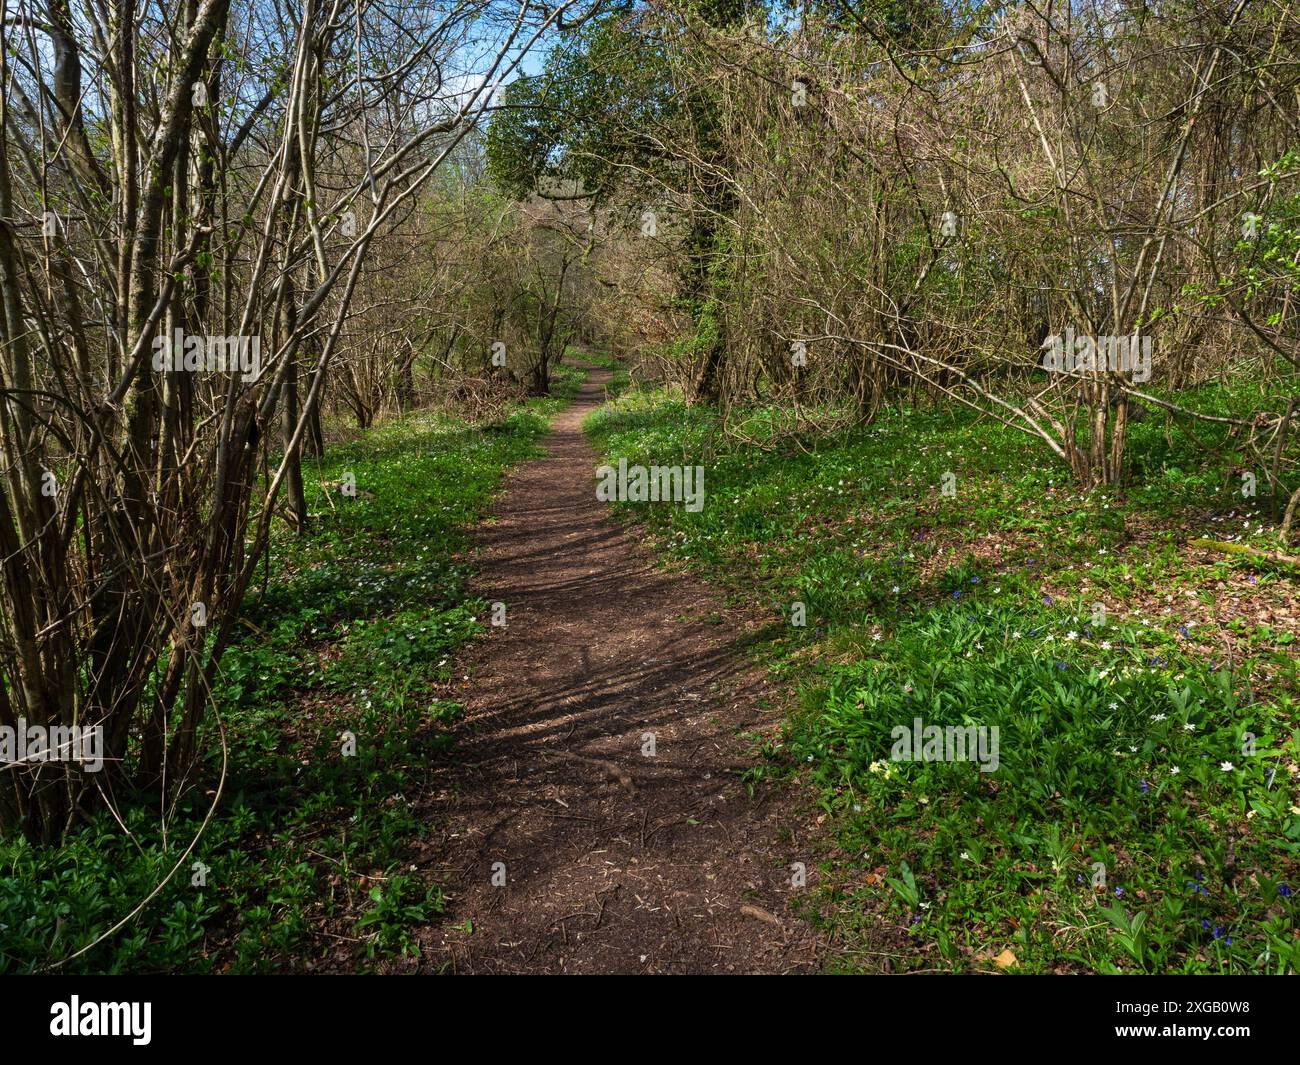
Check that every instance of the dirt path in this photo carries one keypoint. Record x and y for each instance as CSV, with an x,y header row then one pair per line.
x,y
615,862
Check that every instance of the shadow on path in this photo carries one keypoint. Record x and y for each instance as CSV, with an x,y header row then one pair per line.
x,y
615,862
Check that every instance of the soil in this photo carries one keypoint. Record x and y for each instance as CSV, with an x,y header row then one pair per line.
x,y
615,860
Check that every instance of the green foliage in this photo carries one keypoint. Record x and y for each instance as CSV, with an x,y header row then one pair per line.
x,y
589,116
400,903
902,23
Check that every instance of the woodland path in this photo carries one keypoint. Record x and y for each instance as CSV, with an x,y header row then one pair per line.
x,y
615,862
